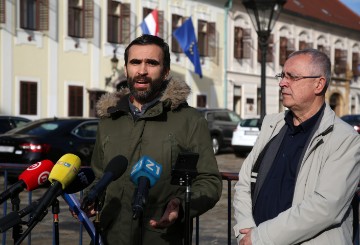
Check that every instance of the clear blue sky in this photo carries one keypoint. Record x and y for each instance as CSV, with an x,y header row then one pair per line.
x,y
353,4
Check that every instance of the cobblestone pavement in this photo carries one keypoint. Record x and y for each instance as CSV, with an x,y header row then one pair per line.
x,y
213,224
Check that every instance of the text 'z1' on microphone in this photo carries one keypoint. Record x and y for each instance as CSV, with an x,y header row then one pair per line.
x,y
62,174
144,174
34,176
115,168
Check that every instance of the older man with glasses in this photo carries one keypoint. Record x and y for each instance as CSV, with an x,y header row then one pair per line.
x,y
296,185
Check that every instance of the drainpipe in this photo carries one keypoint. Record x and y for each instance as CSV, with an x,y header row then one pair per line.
x,y
228,6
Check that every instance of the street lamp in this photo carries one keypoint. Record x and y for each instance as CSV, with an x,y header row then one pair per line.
x,y
114,63
263,14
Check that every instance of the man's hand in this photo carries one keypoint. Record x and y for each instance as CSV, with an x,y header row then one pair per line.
x,y
169,217
246,240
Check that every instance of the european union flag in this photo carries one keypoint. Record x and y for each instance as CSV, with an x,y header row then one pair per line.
x,y
185,35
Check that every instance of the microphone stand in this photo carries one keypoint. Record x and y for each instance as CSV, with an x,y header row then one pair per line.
x,y
55,211
17,229
188,226
97,208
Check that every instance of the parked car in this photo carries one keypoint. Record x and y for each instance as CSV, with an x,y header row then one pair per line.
x,y
353,120
49,138
245,135
9,122
222,123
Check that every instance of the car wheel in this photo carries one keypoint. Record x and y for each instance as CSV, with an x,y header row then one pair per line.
x,y
215,144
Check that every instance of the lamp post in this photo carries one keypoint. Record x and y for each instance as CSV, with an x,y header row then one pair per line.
x,y
114,63
263,14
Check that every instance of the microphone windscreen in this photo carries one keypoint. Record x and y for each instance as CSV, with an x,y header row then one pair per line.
x,y
65,169
146,167
117,166
36,174
83,179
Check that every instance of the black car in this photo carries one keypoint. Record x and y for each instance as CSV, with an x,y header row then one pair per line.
x,y
353,120
9,122
49,138
222,123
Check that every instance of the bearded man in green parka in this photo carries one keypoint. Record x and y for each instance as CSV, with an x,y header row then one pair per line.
x,y
151,118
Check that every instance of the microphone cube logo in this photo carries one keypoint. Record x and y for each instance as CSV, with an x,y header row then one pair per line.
x,y
148,167
34,166
43,177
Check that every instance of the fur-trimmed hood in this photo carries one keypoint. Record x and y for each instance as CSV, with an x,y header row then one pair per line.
x,y
176,92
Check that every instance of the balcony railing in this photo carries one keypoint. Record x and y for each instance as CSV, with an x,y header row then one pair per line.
x,y
229,177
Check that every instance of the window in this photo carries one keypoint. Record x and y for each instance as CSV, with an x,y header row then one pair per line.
x,y
118,22
206,38
355,64
286,48
201,101
28,98
242,43
80,18
324,49
75,101
147,11
340,61
270,49
304,45
2,11
176,22
34,14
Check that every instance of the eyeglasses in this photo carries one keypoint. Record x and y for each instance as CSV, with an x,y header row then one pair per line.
x,y
291,77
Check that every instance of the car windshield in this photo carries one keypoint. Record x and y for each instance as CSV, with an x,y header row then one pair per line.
x,y
43,128
249,123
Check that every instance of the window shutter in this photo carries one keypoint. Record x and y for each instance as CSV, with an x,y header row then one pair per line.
x,y
43,21
89,18
71,14
270,53
355,64
23,14
340,61
343,62
212,39
161,24
283,46
238,41
176,22
247,43
302,45
2,11
290,46
125,23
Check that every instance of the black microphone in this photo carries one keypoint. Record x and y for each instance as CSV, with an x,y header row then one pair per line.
x,y
113,171
83,179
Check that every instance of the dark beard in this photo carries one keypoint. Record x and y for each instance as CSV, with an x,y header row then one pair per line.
x,y
145,96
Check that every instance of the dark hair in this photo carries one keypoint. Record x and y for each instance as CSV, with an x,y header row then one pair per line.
x,y
320,61
150,39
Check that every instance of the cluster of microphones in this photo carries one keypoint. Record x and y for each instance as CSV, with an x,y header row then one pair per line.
x,y
67,178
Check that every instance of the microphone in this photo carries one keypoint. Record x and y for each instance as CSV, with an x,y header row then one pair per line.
x,y
115,168
62,174
83,179
32,177
144,174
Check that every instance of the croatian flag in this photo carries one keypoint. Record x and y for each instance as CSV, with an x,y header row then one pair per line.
x,y
150,25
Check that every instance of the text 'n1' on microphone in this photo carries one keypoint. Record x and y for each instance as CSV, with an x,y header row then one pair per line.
x,y
115,168
144,174
34,176
62,174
